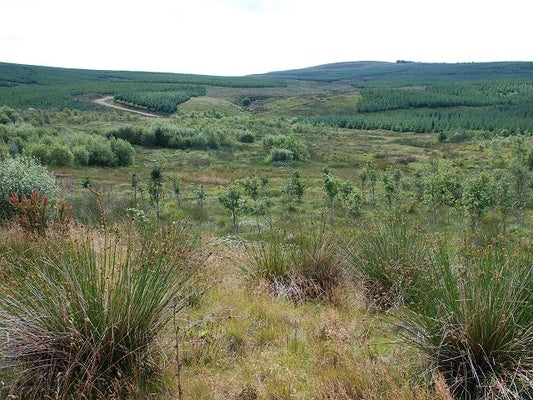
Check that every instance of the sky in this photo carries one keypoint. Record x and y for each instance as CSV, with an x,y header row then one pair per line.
x,y
241,37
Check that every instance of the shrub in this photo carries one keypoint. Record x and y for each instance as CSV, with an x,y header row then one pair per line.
x,y
472,322
278,155
132,134
23,175
290,143
40,151
389,259
101,153
33,212
459,137
81,156
60,155
8,115
246,137
123,151
87,324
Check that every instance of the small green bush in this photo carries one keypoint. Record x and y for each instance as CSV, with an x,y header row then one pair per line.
x,y
101,153
60,155
81,156
39,151
246,137
24,175
290,143
278,155
123,151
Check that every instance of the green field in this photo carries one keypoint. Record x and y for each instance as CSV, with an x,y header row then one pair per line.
x,y
348,231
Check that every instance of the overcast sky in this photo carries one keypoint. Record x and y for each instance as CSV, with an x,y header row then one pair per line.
x,y
239,37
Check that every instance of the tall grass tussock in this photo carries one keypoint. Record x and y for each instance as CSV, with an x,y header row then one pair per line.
x,y
84,320
389,258
472,320
306,266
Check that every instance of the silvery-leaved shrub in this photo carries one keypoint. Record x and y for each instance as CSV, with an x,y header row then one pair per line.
x,y
24,175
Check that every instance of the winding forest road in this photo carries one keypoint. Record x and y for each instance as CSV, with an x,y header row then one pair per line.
x,y
105,101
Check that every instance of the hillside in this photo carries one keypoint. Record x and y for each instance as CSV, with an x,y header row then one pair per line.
x,y
407,73
23,86
348,231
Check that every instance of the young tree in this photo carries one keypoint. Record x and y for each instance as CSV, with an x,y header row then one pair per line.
x,y
294,189
389,185
503,196
478,197
351,200
250,187
520,183
155,188
134,184
231,200
363,177
176,190
372,177
331,188
440,186
200,200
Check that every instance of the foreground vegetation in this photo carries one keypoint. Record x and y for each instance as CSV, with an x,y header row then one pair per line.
x,y
234,253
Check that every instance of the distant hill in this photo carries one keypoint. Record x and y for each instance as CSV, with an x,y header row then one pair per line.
x,y
23,86
378,73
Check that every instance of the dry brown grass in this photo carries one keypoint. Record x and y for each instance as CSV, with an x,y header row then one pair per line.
x,y
245,343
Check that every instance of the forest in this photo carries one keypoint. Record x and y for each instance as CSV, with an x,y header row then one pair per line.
x,y
348,231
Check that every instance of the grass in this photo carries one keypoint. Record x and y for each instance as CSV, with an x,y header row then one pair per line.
x,y
320,104
245,342
295,325
300,267
389,258
472,321
85,318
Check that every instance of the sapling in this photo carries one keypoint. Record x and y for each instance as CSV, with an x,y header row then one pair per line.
x,y
294,189
331,188
155,188
231,200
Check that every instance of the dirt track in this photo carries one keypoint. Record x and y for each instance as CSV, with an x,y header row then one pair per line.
x,y
105,101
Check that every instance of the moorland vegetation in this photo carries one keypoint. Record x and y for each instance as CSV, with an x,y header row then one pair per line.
x,y
348,231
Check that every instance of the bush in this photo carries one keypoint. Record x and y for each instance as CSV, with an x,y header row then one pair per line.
x,y
81,156
23,175
278,155
101,153
290,143
60,155
473,321
246,137
123,151
40,151
132,134
87,324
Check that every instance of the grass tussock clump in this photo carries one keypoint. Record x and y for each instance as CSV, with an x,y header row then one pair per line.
x,y
389,258
473,322
84,319
308,266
